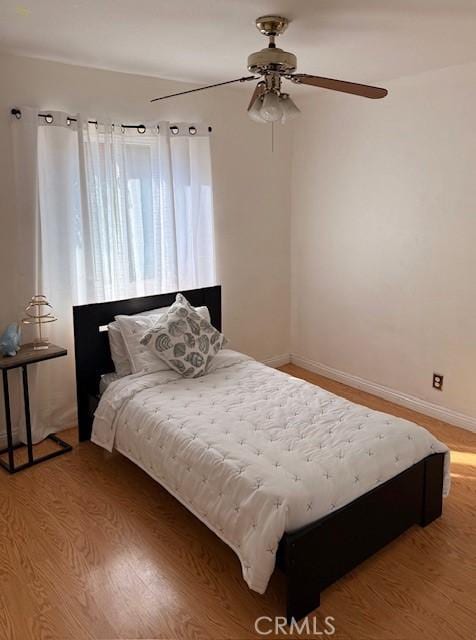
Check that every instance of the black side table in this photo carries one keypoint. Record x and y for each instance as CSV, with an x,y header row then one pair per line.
x,y
25,356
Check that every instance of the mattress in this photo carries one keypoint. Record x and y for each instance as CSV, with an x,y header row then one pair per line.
x,y
254,452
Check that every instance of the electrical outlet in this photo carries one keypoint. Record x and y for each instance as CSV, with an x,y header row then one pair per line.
x,y
438,381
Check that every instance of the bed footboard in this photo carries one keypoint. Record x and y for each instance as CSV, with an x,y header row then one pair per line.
x,y
433,488
318,554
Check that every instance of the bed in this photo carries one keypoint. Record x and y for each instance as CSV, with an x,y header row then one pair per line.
x,y
284,472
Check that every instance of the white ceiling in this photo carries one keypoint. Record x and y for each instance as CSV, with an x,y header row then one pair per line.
x,y
209,40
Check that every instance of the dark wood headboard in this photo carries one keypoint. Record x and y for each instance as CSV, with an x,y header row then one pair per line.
x,y
91,345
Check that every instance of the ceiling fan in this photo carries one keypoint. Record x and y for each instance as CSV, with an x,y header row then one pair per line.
x,y
269,103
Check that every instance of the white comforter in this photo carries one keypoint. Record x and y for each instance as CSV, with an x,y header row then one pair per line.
x,y
254,452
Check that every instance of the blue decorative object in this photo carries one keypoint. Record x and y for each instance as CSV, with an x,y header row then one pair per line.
x,y
10,340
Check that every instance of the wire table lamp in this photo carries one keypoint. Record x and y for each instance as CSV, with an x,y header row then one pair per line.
x,y
39,312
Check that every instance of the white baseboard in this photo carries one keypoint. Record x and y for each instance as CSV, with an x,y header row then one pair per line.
x,y
278,361
403,399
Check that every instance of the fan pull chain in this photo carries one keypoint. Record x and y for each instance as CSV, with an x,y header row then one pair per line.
x,y
272,137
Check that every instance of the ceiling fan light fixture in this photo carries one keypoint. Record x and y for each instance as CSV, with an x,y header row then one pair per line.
x,y
255,110
271,66
271,109
289,108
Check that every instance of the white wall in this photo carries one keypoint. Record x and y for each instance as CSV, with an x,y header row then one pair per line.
x,y
384,236
251,186
383,219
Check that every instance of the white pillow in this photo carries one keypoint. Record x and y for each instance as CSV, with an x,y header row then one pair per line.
x,y
133,329
118,350
119,354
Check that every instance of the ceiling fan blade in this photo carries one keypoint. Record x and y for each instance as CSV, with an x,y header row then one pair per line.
x,y
339,85
259,90
209,86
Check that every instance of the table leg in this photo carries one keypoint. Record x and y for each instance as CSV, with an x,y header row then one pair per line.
x,y
26,400
8,421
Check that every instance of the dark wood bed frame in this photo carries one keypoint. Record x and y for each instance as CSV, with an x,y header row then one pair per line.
x,y
316,555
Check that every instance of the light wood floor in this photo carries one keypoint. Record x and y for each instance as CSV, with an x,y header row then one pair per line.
x,y
91,547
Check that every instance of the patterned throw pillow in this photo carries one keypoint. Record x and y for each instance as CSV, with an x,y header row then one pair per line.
x,y
184,340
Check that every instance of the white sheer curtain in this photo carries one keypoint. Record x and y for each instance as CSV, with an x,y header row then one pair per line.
x,y
147,223
121,214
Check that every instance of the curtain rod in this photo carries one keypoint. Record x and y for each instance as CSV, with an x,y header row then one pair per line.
x,y
141,128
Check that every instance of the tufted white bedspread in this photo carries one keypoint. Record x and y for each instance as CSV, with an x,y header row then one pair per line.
x,y
254,452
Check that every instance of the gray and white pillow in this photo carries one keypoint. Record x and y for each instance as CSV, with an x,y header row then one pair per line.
x,y
184,340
